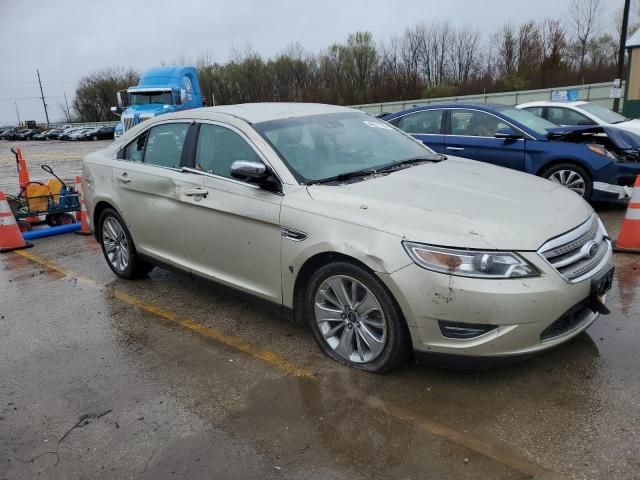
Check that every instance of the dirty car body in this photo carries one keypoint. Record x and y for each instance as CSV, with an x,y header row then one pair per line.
x,y
382,246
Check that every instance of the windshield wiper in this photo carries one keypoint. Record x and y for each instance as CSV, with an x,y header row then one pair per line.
x,y
382,169
344,176
409,161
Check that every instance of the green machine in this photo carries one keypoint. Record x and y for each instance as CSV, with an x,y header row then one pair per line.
x,y
631,106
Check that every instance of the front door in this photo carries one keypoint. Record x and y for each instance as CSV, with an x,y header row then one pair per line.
x,y
472,136
233,227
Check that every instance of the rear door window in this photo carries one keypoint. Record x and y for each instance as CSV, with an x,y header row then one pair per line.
x,y
164,145
425,122
134,152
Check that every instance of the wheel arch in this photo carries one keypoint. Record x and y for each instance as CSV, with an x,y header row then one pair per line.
x,y
318,260
566,160
100,207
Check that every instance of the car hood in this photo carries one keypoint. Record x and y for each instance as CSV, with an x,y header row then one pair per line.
x,y
457,203
622,138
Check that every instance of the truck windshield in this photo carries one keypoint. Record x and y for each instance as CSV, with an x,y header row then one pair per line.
x,y
147,98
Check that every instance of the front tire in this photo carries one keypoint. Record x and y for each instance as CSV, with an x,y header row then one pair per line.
x,y
354,318
118,248
572,176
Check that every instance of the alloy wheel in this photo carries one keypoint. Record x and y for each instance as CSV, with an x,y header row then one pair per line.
x,y
115,244
350,319
570,179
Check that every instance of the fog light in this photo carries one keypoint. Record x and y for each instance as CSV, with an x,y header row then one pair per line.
x,y
464,330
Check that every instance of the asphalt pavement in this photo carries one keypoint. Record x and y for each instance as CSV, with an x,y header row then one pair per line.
x,y
174,377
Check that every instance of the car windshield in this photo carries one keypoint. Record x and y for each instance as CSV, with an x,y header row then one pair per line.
x,y
532,122
150,98
603,113
319,147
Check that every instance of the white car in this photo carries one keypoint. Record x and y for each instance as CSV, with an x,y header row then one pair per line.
x,y
581,113
377,243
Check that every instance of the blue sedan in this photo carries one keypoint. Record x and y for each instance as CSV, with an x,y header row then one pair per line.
x,y
599,163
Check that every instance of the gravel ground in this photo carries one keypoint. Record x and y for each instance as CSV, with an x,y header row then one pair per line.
x,y
64,157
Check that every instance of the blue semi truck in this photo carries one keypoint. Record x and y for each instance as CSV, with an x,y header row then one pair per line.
x,y
160,90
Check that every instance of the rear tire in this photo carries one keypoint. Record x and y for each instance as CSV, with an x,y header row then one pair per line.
x,y
118,248
572,176
361,326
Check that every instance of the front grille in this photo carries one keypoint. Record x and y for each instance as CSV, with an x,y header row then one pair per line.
x,y
571,319
127,123
578,253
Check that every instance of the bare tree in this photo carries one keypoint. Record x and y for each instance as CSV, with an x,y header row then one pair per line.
x,y
586,20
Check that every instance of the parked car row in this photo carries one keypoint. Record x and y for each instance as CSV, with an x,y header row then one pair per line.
x,y
70,133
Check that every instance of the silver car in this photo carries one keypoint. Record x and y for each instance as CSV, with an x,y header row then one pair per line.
x,y
383,247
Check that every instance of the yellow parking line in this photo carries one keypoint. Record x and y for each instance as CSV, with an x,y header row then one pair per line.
x,y
498,454
264,355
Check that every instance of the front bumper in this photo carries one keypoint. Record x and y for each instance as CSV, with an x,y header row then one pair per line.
x,y
524,310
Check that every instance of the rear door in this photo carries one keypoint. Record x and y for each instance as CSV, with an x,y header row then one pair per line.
x,y
151,192
471,135
233,227
425,125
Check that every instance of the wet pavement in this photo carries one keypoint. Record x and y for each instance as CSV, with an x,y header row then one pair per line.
x,y
171,377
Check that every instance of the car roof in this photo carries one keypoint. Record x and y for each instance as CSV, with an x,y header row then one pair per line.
x,y
263,112
551,103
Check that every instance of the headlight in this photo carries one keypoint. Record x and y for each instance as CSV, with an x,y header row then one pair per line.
x,y
600,150
470,263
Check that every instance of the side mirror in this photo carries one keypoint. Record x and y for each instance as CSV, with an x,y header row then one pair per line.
x,y
254,172
120,103
115,111
507,134
245,170
183,96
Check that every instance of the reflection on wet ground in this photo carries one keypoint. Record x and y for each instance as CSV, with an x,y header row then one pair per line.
x,y
179,404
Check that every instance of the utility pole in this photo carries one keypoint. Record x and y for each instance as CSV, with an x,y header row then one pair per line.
x,y
623,41
67,104
46,114
17,112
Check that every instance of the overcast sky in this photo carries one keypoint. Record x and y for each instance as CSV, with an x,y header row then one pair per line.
x,y
66,39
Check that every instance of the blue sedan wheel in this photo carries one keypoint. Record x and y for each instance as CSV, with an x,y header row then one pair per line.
x,y
571,176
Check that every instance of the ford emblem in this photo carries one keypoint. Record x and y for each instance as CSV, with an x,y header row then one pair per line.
x,y
590,249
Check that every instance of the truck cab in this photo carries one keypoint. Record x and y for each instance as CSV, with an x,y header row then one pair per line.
x,y
160,90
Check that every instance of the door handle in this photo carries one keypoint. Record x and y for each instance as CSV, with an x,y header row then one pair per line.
x,y
123,178
455,149
196,192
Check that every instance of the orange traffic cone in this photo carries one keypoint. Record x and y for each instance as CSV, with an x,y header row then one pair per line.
x,y
629,237
81,215
10,236
23,171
